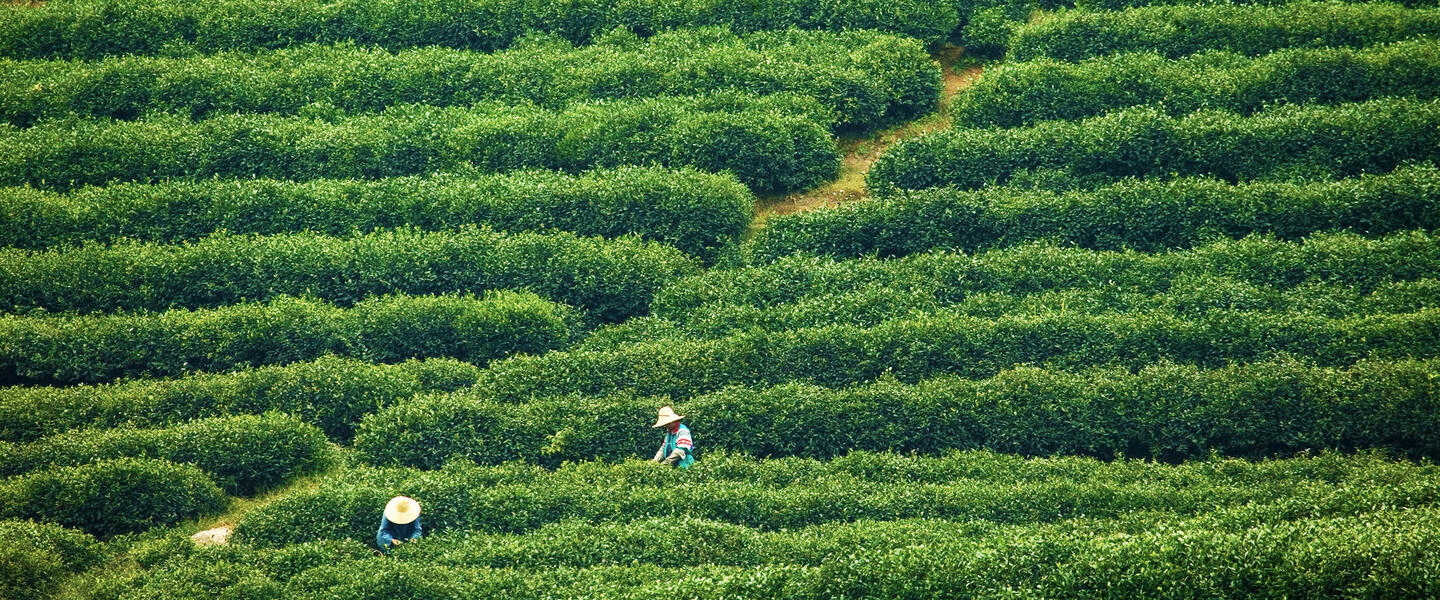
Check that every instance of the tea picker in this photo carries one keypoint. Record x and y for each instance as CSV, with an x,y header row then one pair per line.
x,y
400,523
679,448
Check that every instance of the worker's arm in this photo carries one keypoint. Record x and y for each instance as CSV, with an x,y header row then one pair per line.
x,y
676,455
418,530
382,537
659,454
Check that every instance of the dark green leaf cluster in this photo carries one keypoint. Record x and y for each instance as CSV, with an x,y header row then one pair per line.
x,y
779,142
1145,215
115,27
1165,411
1017,94
610,279
866,78
787,493
112,497
244,454
73,349
1185,29
37,557
699,213
331,393
1280,143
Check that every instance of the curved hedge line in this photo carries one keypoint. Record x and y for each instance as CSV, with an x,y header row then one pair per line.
x,y
1342,259
866,78
244,454
1328,141
918,346
1175,31
610,279
789,493
37,557
71,349
699,213
1146,215
1018,94
331,393
95,29
773,143
1165,411
112,497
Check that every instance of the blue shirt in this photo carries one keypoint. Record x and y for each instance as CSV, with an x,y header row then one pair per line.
x,y
395,531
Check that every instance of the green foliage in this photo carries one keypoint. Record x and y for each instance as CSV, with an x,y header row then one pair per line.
x,y
244,454
1175,31
114,27
331,393
697,212
1146,215
779,142
112,497
61,349
1283,142
787,493
866,78
1344,260
1165,411
609,279
1017,94
36,557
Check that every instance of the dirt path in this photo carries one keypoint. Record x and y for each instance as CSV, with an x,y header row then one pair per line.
x,y
859,153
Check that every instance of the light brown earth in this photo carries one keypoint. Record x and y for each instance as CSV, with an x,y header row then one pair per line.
x,y
860,152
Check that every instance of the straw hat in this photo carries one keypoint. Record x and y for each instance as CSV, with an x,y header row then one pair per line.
x,y
402,510
667,416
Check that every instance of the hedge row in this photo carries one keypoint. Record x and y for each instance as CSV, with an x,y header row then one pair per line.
x,y
331,393
699,213
111,27
610,279
919,346
773,143
1287,141
71,349
1166,411
1375,554
1175,31
112,497
866,78
872,305
1017,94
37,557
789,493
244,455
1145,215
1342,259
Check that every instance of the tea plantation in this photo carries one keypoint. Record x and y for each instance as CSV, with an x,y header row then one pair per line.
x,y
1004,299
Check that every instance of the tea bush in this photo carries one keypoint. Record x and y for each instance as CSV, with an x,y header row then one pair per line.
x,y
112,497
1019,94
72,349
37,557
771,143
244,454
866,78
1284,142
331,393
1342,259
1166,411
118,27
917,346
699,213
1146,215
788,493
609,279
1181,30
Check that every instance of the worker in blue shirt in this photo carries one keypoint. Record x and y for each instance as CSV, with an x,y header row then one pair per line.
x,y
400,523
679,447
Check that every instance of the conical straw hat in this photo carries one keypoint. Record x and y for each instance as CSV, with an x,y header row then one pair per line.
x,y
402,510
667,416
